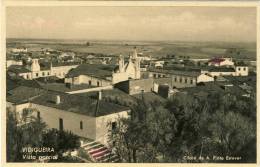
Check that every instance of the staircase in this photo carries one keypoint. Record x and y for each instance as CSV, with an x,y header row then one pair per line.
x,y
99,152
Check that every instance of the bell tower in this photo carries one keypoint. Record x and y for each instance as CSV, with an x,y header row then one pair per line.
x,y
35,65
136,62
121,64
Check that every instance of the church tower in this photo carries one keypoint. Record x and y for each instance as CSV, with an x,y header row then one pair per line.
x,y
35,65
121,64
134,54
136,62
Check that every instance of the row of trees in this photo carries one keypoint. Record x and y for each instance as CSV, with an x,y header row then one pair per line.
x,y
218,125
31,131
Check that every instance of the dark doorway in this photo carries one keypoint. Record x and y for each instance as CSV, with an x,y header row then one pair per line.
x,y
38,115
61,124
114,126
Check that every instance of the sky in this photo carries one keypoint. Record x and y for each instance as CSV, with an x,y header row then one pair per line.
x,y
228,24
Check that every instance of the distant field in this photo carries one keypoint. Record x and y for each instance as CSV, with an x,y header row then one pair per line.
x,y
154,49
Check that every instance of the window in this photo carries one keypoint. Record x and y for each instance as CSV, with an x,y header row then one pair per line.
x,y
27,76
159,76
38,114
175,79
61,124
43,74
97,83
185,80
36,74
113,125
244,68
239,69
154,75
180,80
81,125
89,82
191,81
48,73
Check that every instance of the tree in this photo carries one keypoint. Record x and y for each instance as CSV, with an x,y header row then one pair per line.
x,y
12,136
30,131
162,129
221,123
230,133
21,133
61,141
188,137
143,136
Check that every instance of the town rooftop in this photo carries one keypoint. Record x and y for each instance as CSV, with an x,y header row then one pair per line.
x,y
78,104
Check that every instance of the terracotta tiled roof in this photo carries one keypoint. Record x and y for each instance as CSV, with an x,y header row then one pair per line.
x,y
78,104
216,60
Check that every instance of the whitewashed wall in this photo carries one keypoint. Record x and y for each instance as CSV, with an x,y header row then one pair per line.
x,y
95,128
204,78
119,77
71,121
103,125
241,71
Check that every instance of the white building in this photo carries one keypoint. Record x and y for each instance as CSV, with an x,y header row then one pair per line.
x,y
129,70
158,64
241,70
13,62
221,62
179,79
145,58
227,71
92,74
19,50
34,70
67,54
83,116
105,74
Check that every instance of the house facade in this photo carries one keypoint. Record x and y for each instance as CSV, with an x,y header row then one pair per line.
x,y
221,62
85,117
179,79
227,71
34,70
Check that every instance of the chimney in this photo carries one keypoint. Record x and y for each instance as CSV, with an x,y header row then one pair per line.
x,y
57,99
100,95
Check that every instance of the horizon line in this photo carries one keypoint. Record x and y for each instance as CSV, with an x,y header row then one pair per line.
x,y
124,40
